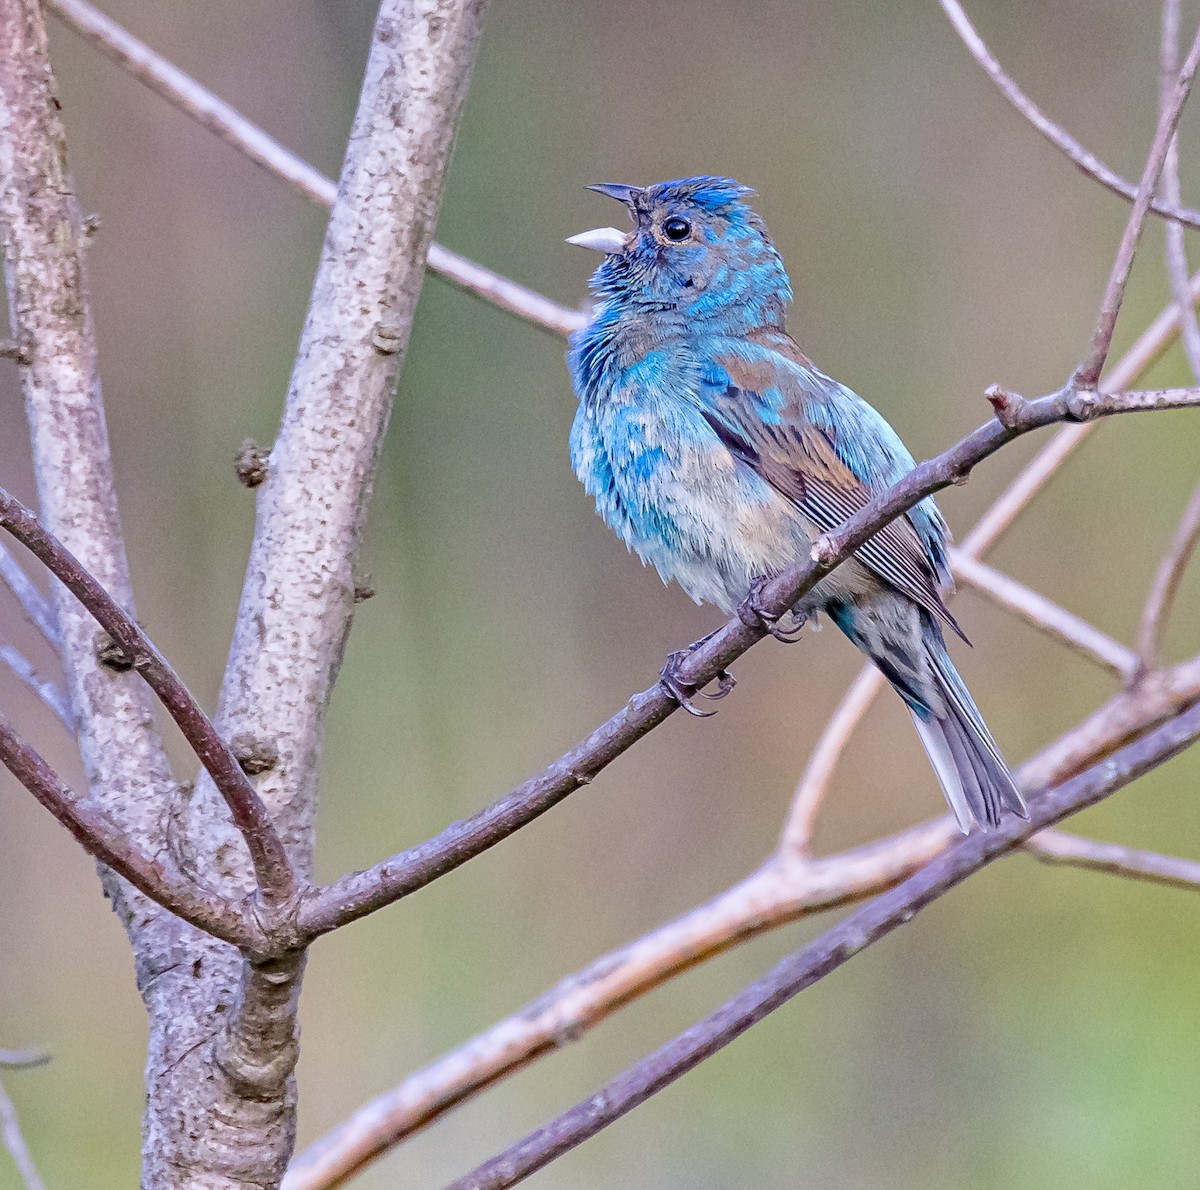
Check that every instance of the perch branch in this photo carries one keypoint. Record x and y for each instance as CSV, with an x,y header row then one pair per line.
x,y
794,974
359,893
196,101
271,865
1087,162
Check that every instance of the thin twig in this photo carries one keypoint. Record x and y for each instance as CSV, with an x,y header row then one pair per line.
x,y
50,693
196,101
10,1129
23,1059
115,848
1044,614
34,604
1087,375
359,893
1166,585
1176,250
814,781
836,946
1058,847
272,867
1087,162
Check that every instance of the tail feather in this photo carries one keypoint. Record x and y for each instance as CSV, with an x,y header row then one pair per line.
x,y
906,644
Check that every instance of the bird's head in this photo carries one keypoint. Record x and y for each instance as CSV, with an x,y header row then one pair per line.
x,y
696,249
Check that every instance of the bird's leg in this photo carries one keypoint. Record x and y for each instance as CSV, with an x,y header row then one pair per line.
x,y
752,613
683,692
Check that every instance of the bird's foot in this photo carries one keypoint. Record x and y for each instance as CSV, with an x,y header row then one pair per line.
x,y
752,613
683,692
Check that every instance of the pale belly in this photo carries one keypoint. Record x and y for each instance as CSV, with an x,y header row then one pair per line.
x,y
700,516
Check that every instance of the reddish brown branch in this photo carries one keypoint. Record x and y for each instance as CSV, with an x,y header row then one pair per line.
x,y
835,947
359,893
272,867
106,842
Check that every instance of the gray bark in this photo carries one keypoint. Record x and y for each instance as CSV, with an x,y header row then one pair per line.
x,y
223,1037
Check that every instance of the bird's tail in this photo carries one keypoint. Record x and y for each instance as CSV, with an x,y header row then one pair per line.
x,y
965,757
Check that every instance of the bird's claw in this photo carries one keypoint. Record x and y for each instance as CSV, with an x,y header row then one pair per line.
x,y
752,613
683,692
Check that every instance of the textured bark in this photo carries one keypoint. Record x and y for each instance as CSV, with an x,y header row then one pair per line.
x,y
223,1040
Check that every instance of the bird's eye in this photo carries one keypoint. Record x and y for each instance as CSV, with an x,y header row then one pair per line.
x,y
677,229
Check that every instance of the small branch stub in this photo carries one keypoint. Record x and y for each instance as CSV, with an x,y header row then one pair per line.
x,y
251,464
1010,408
111,655
254,755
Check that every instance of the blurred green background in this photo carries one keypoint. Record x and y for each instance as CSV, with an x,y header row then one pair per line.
x,y
1037,1027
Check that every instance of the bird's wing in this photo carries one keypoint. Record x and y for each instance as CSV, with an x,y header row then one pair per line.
x,y
829,453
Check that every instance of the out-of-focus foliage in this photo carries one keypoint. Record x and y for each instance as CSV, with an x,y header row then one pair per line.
x,y
1035,1028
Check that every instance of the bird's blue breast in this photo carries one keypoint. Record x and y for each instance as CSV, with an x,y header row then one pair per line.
x,y
661,477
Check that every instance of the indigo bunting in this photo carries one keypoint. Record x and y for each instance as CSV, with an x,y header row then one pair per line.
x,y
720,453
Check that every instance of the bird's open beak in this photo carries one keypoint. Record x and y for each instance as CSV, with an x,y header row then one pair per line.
x,y
608,240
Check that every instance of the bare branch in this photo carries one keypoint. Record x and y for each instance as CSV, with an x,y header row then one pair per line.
x,y
1166,585
1044,615
1087,162
37,610
790,885
1087,375
105,841
272,867
22,1059
814,783
359,893
1057,847
836,946
1176,250
10,1130
988,530
196,101
50,694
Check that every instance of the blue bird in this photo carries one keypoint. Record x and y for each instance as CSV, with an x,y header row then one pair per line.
x,y
719,452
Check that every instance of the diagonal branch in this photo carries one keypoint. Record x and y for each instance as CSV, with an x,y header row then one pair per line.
x,y
1166,585
1087,162
835,947
359,893
101,838
33,603
272,867
1058,847
14,1142
791,884
183,92
1044,614
1087,375
50,694
1176,251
